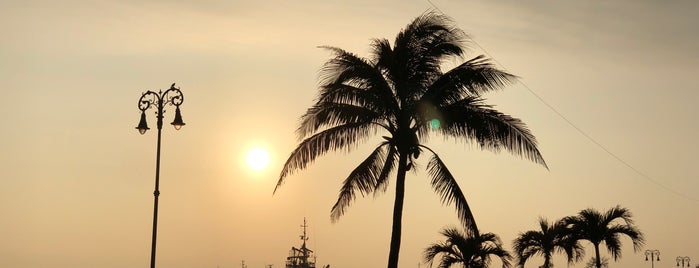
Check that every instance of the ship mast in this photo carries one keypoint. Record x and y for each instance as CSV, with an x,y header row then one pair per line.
x,y
301,257
304,237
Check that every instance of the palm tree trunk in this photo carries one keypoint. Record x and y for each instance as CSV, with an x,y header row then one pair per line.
x,y
547,260
599,262
398,212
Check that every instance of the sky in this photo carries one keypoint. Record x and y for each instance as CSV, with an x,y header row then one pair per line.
x,y
76,178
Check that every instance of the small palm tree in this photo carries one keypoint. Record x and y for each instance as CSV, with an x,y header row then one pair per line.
x,y
401,91
597,227
550,239
592,263
466,249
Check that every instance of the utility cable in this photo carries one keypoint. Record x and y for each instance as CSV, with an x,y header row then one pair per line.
x,y
579,130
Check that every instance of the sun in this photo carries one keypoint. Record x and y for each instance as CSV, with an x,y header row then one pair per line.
x,y
258,158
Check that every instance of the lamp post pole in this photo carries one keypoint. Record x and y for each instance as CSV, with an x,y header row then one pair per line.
x,y
683,261
654,256
174,97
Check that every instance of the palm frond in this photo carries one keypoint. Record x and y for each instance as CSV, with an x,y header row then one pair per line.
x,y
455,236
430,32
345,67
447,261
613,244
618,212
363,179
444,183
431,252
471,78
341,137
347,78
419,51
351,94
471,119
373,93
590,216
431,52
567,242
632,232
526,245
388,167
349,69
451,250
330,114
494,248
382,53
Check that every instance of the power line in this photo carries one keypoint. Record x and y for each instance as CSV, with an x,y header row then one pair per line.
x,y
590,138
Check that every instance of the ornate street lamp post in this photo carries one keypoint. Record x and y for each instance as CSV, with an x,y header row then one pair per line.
x,y
683,261
174,97
654,256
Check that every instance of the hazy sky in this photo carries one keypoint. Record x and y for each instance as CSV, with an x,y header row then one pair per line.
x,y
76,178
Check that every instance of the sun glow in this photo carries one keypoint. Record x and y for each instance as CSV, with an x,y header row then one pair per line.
x,y
258,158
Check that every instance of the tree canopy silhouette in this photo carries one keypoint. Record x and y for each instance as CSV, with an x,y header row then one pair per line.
x,y
597,227
402,92
550,239
466,249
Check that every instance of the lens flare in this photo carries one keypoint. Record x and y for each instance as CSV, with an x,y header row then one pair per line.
x,y
435,124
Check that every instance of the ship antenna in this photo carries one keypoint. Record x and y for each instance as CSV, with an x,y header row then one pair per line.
x,y
304,237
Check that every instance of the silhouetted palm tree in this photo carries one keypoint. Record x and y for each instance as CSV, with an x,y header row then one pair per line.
x,y
596,227
469,250
402,92
550,239
592,263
